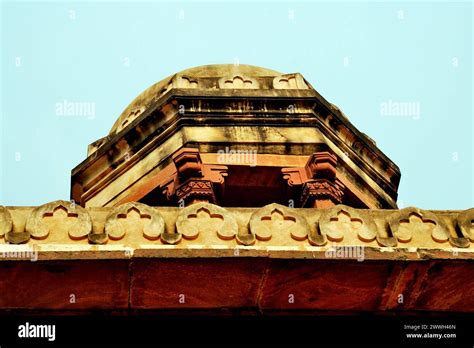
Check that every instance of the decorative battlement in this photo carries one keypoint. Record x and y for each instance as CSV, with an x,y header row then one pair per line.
x,y
64,230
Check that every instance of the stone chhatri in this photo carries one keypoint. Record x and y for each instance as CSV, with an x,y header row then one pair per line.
x,y
198,134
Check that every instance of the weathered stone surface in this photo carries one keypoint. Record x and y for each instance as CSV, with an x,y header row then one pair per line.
x,y
74,284
289,81
275,219
147,221
340,219
196,283
238,281
61,216
238,82
344,285
465,224
206,218
446,286
431,286
409,221
6,222
273,231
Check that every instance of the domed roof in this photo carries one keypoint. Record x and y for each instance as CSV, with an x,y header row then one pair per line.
x,y
220,70
148,96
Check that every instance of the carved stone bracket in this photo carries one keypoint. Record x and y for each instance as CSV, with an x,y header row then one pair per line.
x,y
150,221
75,219
275,218
320,190
193,180
197,190
321,165
316,183
203,217
334,222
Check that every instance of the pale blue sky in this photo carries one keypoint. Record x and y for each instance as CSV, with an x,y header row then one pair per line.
x,y
358,55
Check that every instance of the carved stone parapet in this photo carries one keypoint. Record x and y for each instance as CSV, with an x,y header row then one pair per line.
x,y
131,217
61,216
63,226
274,219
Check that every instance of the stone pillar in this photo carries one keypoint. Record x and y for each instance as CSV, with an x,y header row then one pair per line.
x,y
315,185
194,181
